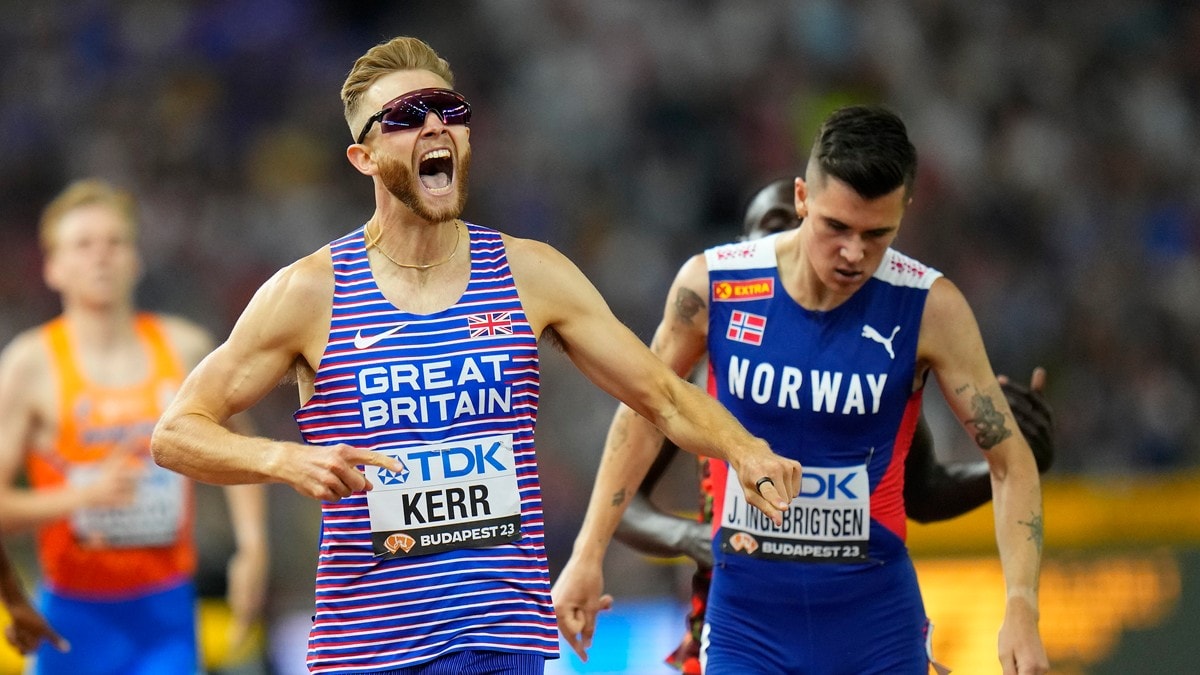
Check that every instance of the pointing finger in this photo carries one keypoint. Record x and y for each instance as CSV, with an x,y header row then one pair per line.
x,y
382,461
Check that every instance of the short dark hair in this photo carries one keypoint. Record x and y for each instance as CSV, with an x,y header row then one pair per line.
x,y
866,147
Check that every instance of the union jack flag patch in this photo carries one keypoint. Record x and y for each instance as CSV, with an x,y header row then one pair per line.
x,y
746,327
490,324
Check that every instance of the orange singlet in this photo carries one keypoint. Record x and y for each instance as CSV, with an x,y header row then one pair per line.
x,y
113,553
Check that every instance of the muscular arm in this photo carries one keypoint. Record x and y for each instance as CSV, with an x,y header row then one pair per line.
x,y
247,567
950,344
285,322
934,491
556,295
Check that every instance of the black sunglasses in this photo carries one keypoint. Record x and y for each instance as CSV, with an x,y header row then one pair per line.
x,y
409,110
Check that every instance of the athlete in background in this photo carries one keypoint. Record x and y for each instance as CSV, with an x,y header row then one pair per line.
x,y
80,396
932,491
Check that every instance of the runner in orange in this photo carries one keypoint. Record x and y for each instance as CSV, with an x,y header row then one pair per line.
x,y
81,395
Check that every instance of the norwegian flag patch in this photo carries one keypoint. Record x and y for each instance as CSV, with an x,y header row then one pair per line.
x,y
490,324
746,327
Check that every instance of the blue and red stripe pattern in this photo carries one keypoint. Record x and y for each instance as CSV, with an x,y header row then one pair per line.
x,y
390,379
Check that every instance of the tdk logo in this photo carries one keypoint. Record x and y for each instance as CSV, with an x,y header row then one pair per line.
x,y
452,461
833,484
389,477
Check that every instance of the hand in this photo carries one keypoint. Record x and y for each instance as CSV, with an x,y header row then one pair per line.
x,y
577,602
1020,646
116,481
28,629
246,595
1033,415
330,473
697,543
770,482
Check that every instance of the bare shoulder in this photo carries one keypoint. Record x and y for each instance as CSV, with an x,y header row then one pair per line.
x,y
945,306
533,257
693,273
26,371
26,357
552,288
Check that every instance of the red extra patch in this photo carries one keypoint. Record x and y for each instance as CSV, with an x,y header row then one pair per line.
x,y
746,289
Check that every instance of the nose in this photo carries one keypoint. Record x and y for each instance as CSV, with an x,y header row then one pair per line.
x,y
433,124
854,250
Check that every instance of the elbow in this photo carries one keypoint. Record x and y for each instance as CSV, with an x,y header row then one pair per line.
x,y
161,445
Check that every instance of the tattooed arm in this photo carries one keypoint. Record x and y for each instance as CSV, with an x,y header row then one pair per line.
x,y
951,346
632,444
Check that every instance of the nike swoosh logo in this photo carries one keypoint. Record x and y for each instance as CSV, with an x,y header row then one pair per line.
x,y
363,341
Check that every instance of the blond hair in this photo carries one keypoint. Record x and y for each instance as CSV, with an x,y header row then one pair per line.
x,y
399,53
82,193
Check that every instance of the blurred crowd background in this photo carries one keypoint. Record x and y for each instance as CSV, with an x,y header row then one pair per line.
x,y
1058,183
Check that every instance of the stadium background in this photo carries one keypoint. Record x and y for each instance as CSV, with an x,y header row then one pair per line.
x,y
1058,188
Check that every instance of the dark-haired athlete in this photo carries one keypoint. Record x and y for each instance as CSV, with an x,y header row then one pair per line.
x,y
932,491
820,340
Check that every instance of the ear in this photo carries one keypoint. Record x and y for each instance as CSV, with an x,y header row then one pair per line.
x,y
360,157
50,274
801,196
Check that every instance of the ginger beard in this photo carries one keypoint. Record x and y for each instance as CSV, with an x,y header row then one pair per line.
x,y
399,180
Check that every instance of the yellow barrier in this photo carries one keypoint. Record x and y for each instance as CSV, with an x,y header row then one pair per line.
x,y
1083,514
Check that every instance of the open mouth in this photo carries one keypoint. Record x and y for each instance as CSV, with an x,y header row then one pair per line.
x,y
436,170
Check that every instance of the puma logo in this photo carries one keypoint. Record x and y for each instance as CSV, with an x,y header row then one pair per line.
x,y
872,334
363,341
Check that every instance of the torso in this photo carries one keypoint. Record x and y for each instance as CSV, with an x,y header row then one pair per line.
x,y
834,390
452,393
84,410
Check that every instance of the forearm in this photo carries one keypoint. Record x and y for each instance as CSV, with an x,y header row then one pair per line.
x,y
201,448
24,509
248,514
654,532
696,422
11,590
1019,529
629,450
940,492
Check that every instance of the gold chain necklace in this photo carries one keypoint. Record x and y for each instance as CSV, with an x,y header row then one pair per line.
x,y
375,241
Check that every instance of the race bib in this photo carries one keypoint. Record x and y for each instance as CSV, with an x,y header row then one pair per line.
x,y
153,519
830,521
455,495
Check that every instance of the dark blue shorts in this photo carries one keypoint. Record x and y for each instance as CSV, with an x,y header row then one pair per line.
x,y
827,619
151,635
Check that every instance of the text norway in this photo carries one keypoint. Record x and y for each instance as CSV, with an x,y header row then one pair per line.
x,y
783,387
431,376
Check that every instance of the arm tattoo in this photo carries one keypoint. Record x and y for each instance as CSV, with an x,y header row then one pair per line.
x,y
618,498
988,422
688,304
1035,530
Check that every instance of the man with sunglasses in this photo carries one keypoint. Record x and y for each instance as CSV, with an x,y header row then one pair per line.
x,y
932,491
414,341
820,339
